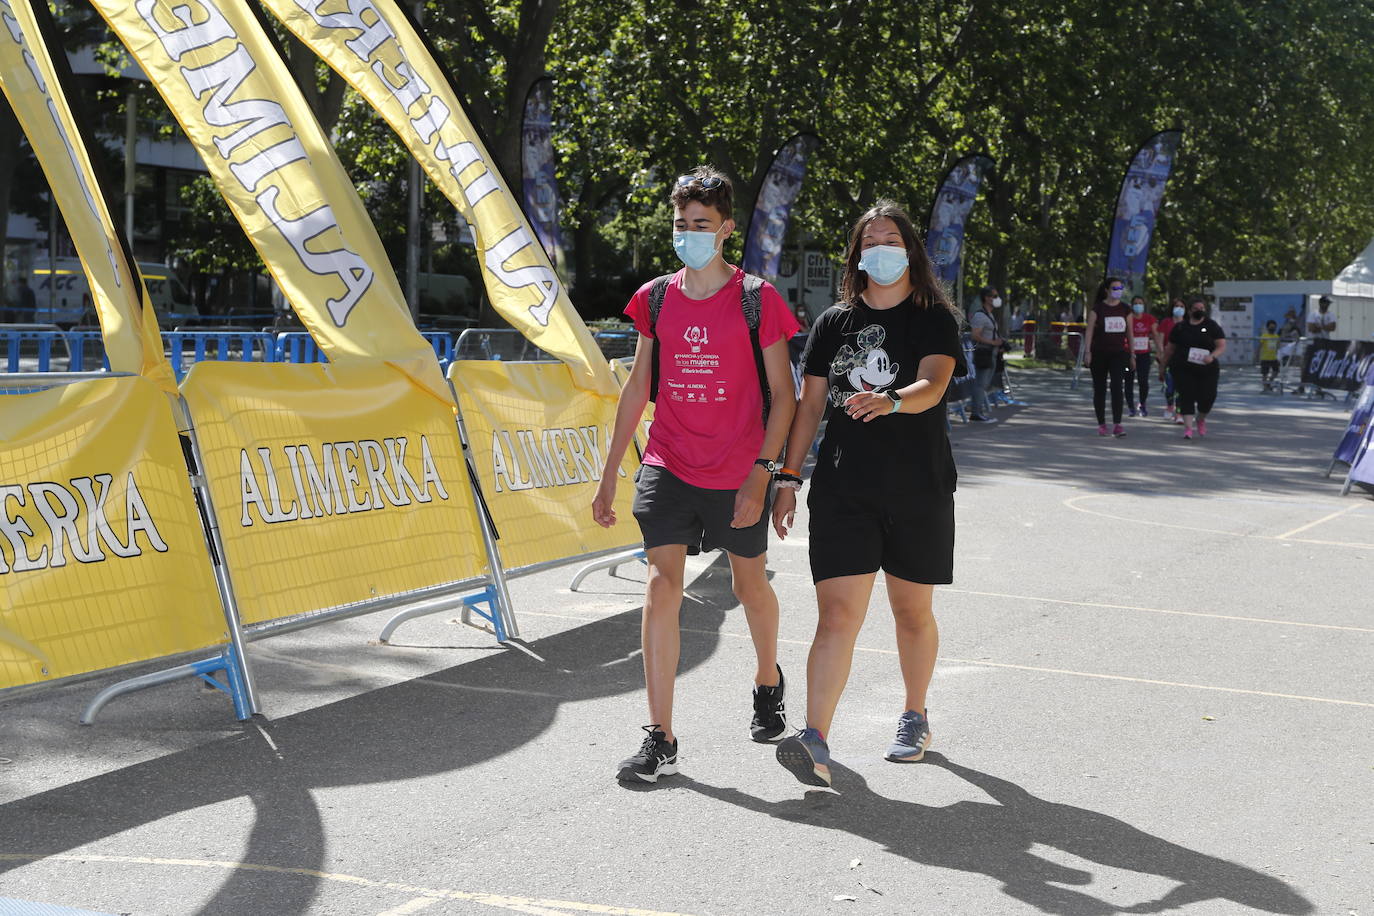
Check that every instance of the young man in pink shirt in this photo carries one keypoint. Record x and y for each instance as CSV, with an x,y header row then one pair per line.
x,y
713,449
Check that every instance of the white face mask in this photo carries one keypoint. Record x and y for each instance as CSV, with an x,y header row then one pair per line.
x,y
997,302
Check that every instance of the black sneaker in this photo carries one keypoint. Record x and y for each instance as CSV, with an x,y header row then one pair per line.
x,y
656,758
769,720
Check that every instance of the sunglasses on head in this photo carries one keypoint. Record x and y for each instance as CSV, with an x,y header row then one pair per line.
x,y
708,183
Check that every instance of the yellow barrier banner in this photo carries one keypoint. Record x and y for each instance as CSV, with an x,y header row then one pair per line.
x,y
225,83
103,559
375,48
331,484
31,83
539,444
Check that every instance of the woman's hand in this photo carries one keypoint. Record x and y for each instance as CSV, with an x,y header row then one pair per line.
x,y
784,510
865,405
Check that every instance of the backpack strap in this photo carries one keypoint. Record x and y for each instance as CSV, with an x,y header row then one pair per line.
x,y
751,303
657,292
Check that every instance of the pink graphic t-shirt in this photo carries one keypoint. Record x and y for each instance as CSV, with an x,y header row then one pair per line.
x,y
708,419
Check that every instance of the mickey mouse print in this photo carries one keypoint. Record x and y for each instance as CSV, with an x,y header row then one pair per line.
x,y
869,368
859,348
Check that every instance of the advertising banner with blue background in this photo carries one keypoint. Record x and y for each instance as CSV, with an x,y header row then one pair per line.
x,y
1137,208
945,241
773,207
1359,422
540,186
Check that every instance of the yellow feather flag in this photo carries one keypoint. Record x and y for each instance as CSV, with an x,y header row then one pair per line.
x,y
226,84
31,82
375,48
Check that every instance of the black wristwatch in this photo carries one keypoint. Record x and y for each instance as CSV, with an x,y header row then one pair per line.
x,y
767,464
896,400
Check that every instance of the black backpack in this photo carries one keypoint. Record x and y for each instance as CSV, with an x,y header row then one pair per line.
x,y
751,303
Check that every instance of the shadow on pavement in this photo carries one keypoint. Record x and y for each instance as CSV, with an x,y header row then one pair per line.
x,y
997,839
441,723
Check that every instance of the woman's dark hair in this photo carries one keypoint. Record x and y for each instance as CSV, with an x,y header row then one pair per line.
x,y
928,291
1106,284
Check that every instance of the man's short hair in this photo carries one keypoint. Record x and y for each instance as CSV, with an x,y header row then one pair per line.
x,y
721,195
1197,300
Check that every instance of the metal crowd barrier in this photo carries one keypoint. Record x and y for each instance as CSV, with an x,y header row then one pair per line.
x,y
484,596
231,661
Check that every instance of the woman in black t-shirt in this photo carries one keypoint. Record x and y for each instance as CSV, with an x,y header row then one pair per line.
x,y
1107,352
1192,352
882,494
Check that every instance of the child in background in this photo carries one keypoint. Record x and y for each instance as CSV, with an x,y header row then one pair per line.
x,y
1269,354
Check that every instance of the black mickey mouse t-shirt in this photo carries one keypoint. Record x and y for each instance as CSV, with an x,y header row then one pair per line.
x,y
865,349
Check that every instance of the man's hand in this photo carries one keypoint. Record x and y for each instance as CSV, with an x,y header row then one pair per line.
x,y
603,504
1087,357
784,510
749,499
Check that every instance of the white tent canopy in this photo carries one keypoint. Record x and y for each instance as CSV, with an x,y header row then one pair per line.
x,y
1357,279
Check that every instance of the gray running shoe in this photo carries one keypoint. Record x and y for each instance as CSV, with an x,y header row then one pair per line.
x,y
913,737
806,756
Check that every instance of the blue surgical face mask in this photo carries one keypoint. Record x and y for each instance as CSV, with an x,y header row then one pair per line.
x,y
1138,307
884,264
1178,311
695,249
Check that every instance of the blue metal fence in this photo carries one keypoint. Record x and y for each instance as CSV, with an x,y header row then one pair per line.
x,y
47,348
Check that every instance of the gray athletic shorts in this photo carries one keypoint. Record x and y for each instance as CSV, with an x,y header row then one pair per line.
x,y
670,511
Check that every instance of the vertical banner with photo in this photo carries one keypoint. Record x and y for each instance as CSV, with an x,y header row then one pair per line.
x,y
223,80
773,206
539,184
1137,209
33,69
1360,416
949,214
376,47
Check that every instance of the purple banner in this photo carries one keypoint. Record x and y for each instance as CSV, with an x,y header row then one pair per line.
x,y
773,207
1137,209
1362,469
1359,422
945,240
540,186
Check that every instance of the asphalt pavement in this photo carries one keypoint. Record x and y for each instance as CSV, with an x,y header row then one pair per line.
x,y
1155,694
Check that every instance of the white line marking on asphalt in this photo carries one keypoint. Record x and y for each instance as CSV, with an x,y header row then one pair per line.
x,y
414,906
1072,504
519,904
1158,610
1324,518
270,743
1142,680
987,664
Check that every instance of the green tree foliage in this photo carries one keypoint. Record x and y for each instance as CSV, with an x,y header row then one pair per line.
x,y
1272,179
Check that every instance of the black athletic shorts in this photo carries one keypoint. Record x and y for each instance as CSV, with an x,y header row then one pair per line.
x,y
907,534
670,511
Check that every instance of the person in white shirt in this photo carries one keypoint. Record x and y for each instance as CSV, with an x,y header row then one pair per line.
x,y
1322,324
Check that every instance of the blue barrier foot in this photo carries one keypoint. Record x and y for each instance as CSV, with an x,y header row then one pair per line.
x,y
486,598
